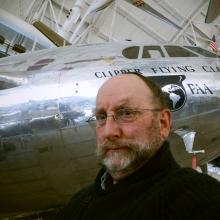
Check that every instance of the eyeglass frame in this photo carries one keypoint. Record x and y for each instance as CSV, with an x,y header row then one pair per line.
x,y
136,111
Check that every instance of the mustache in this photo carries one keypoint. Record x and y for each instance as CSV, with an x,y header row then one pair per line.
x,y
105,146
114,144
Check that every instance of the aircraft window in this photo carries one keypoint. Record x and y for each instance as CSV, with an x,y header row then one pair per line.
x,y
152,52
131,52
202,51
6,85
176,51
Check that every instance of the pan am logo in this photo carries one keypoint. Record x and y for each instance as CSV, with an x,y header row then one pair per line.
x,y
176,95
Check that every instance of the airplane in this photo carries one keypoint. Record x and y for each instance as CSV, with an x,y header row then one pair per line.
x,y
141,4
84,21
213,11
47,102
19,36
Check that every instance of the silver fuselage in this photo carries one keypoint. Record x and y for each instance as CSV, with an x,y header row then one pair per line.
x,y
47,144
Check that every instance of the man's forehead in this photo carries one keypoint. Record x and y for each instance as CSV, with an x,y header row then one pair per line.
x,y
102,104
119,100
120,91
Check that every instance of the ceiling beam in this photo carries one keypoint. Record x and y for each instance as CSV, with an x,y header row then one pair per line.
x,y
132,19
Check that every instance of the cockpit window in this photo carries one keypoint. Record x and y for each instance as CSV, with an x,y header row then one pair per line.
x,y
201,51
152,52
131,52
136,52
176,51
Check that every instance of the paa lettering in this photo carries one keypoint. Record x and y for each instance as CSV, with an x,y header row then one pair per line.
x,y
196,89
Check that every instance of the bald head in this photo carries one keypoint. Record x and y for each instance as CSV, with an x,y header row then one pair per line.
x,y
136,86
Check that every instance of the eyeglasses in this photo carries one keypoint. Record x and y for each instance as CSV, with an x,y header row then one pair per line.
x,y
123,115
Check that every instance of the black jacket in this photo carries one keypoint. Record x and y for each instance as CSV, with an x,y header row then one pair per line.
x,y
159,190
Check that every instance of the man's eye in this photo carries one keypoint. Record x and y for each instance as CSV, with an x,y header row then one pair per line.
x,y
125,112
101,117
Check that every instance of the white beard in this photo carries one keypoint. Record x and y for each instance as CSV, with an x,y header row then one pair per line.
x,y
133,155
117,161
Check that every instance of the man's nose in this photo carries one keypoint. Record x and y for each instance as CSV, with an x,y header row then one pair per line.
x,y
111,128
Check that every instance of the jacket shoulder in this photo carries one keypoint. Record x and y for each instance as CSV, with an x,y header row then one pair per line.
x,y
196,193
77,204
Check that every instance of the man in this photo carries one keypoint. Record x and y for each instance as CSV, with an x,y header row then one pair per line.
x,y
139,178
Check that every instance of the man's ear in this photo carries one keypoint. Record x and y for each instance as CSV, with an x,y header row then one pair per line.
x,y
165,123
